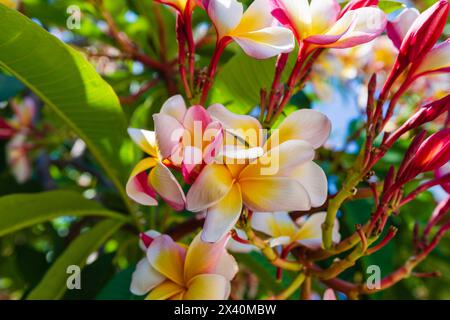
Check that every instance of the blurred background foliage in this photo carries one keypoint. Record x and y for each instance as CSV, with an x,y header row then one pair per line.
x,y
59,160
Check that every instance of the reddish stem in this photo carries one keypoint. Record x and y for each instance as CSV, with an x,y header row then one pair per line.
x,y
220,47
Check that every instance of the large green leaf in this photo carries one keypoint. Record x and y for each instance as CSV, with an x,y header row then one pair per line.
x,y
68,84
19,211
54,283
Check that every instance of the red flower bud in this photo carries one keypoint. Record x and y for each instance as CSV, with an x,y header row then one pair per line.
x,y
425,114
146,239
423,33
433,153
6,131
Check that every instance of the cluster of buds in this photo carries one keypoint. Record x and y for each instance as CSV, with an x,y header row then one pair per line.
x,y
17,131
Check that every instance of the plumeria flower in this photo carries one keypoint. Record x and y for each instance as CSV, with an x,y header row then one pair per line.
x,y
170,271
17,157
142,187
283,179
17,130
284,231
320,22
253,30
188,137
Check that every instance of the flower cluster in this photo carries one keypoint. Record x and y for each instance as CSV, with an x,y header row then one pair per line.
x,y
230,163
247,181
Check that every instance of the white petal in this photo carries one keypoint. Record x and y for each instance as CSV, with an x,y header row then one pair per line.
x,y
324,14
175,107
145,278
225,14
222,217
266,43
169,132
314,180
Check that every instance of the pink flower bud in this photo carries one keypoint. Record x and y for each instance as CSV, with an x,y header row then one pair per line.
x,y
425,114
433,153
424,33
146,239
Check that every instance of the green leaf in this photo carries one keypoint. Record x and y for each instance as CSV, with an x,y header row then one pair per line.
x,y
20,211
390,6
54,283
69,85
118,288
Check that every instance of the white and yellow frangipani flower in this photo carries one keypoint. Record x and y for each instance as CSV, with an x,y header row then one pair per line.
x,y
142,187
284,231
283,179
170,271
253,30
321,22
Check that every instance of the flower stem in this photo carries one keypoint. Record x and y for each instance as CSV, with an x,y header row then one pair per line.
x,y
298,281
220,47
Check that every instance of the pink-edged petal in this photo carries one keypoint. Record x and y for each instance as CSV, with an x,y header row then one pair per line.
x,y
165,291
167,186
169,133
146,140
308,125
310,232
175,107
211,186
294,13
274,194
337,31
274,224
167,257
279,160
203,257
266,43
398,27
245,127
225,14
213,136
145,278
436,60
137,187
368,23
313,179
208,287
221,217
196,120
329,295
324,14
